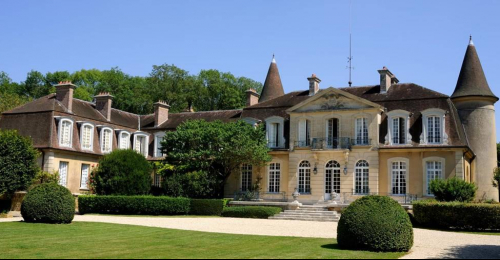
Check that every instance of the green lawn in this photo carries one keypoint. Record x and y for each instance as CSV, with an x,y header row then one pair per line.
x,y
95,240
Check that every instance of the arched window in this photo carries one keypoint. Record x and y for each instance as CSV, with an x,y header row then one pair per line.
x,y
399,177
246,177
87,137
332,177
141,143
274,177
124,140
398,126
305,177
66,133
434,127
106,140
362,182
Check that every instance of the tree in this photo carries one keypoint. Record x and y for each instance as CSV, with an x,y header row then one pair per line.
x,y
34,86
498,154
173,85
18,162
496,180
122,172
10,101
216,148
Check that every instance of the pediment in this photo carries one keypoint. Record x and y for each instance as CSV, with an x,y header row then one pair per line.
x,y
333,99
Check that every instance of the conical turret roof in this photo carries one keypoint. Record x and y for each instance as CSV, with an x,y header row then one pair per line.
x,y
472,81
273,87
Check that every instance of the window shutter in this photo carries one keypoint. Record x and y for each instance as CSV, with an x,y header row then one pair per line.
x,y
302,132
272,135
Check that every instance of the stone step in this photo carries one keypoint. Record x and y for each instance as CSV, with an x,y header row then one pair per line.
x,y
317,213
312,209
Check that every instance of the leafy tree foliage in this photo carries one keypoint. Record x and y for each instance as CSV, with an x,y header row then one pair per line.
x,y
453,190
18,162
215,148
496,180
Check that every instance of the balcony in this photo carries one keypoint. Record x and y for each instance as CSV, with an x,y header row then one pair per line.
x,y
361,141
275,145
340,143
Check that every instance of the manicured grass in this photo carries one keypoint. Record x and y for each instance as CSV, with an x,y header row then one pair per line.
x,y
151,216
96,240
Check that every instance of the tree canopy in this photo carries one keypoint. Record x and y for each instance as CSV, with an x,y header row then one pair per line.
x,y
206,91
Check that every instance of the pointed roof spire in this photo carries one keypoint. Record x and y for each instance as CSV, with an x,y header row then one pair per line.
x,y
470,41
472,81
273,87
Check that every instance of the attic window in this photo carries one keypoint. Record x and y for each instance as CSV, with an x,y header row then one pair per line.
x,y
399,128
141,142
66,133
434,127
106,140
87,137
124,140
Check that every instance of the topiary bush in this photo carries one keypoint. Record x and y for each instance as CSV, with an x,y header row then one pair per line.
x,y
123,172
453,189
251,212
48,203
18,162
375,223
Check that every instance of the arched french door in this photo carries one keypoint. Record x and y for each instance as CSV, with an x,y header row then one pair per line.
x,y
332,179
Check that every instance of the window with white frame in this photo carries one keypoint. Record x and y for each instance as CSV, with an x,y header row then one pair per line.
x,y
106,140
399,177
275,132
84,183
361,131
333,132
66,133
434,170
362,181
398,127
246,177
274,177
305,177
157,180
434,127
304,133
87,137
158,147
332,181
63,173
141,142
124,140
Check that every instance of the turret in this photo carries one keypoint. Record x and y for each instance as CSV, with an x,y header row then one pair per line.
x,y
475,104
273,87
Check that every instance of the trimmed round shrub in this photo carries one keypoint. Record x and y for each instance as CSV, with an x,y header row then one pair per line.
x,y
123,172
48,203
375,223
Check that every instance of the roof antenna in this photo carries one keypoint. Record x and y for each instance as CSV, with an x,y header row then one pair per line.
x,y
349,59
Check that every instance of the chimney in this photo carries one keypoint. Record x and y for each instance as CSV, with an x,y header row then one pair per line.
x,y
313,85
103,103
64,94
252,97
387,79
161,112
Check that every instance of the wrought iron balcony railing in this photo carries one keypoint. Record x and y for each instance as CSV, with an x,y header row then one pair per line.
x,y
361,141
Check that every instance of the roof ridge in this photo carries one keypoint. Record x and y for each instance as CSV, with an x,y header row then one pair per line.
x,y
213,111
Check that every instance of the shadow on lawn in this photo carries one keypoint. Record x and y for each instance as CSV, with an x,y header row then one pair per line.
x,y
331,247
472,252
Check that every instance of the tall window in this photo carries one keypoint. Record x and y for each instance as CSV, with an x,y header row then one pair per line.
x,y
274,177
141,144
124,140
362,178
304,133
246,177
84,184
332,177
434,130
157,180
274,133
66,133
399,178
333,133
274,128
361,131
158,147
305,177
106,140
87,137
63,174
398,130
434,172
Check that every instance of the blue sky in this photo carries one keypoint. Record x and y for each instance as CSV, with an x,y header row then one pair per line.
x,y
420,41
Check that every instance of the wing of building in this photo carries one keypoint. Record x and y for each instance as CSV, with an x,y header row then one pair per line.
x,y
390,138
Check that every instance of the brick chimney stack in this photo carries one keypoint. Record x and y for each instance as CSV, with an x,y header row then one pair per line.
x,y
252,97
64,94
387,79
161,112
103,103
313,85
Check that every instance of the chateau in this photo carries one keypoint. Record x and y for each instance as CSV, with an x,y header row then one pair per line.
x,y
389,139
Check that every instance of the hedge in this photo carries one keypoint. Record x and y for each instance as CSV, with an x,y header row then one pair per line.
x,y
251,212
133,205
206,207
455,215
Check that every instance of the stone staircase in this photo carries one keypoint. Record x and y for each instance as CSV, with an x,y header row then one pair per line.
x,y
309,213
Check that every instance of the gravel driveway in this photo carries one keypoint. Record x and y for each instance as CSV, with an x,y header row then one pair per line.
x,y
428,243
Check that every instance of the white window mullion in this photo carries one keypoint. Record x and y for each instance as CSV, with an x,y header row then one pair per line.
x,y
63,174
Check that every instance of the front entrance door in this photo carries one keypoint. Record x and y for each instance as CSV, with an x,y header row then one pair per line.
x,y
332,179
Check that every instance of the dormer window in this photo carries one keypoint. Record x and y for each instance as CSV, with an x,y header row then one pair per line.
x,y
398,126
141,142
158,147
124,142
66,133
106,140
275,132
87,137
434,127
